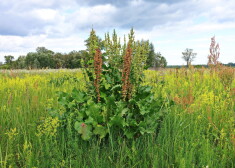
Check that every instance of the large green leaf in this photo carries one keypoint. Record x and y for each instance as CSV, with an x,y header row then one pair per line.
x,y
63,99
107,85
117,120
94,111
78,96
100,130
80,115
83,129
148,125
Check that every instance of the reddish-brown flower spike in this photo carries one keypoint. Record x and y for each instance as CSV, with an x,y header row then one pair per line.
x,y
126,84
98,70
214,53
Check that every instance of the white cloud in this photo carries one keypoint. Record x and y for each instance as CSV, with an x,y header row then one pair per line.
x,y
171,25
100,15
136,2
210,27
45,14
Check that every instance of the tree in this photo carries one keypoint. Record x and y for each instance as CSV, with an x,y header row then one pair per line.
x,y
44,50
231,64
29,59
36,64
155,60
76,59
84,54
9,59
58,60
20,63
160,61
189,56
151,56
72,60
42,58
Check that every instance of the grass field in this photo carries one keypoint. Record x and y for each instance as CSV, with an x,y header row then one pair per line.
x,y
197,131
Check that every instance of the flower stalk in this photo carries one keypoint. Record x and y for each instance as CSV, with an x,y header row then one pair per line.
x,y
126,84
98,70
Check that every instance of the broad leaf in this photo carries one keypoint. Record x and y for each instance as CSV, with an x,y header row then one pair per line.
x,y
83,129
101,131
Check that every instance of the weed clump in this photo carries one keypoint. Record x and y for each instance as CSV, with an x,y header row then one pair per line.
x,y
115,100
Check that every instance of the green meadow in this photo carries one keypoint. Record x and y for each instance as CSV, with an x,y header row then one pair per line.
x,y
197,129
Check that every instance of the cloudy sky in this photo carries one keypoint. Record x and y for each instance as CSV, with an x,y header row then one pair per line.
x,y
171,25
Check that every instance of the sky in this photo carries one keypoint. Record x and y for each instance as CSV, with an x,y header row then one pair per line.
x,y
171,25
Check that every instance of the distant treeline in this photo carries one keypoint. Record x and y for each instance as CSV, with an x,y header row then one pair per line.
x,y
45,58
198,66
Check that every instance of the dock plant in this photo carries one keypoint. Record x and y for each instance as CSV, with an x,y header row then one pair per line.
x,y
114,101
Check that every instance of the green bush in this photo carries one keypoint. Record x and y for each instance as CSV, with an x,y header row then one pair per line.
x,y
114,101
5,66
137,116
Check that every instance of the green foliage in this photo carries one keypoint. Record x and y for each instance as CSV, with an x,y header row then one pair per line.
x,y
5,66
176,118
132,118
196,133
44,58
61,80
92,43
138,115
141,50
8,62
9,59
160,61
83,129
155,60
151,56
113,50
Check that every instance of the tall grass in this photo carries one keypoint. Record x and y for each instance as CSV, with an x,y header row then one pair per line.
x,y
198,130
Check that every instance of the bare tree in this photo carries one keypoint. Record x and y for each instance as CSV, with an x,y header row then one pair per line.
x,y
189,56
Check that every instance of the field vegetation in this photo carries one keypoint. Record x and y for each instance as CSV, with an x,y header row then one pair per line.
x,y
115,113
